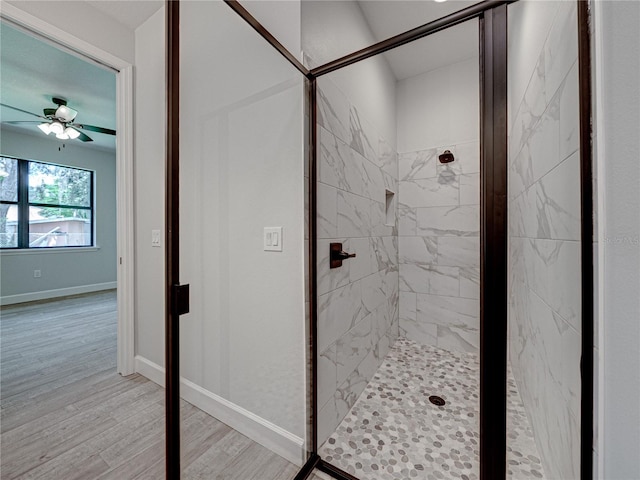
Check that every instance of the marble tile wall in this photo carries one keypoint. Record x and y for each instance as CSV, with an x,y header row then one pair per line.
x,y
439,247
358,302
544,238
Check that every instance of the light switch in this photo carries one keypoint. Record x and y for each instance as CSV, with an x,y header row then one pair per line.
x,y
273,239
155,238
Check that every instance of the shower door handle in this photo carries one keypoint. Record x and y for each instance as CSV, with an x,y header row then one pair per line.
x,y
337,255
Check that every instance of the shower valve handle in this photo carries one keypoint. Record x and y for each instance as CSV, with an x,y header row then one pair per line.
x,y
337,255
343,255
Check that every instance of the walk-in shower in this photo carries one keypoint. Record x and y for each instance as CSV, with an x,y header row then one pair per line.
x,y
384,240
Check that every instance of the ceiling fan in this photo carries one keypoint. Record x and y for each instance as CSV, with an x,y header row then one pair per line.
x,y
60,121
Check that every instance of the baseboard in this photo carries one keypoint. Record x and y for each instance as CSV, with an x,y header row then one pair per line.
x,y
267,434
60,292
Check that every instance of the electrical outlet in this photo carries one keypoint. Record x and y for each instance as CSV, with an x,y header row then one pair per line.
x,y
37,274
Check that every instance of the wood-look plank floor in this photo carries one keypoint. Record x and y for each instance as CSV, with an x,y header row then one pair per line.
x,y
66,413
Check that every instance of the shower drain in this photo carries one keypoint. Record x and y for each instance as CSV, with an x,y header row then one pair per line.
x,y
439,401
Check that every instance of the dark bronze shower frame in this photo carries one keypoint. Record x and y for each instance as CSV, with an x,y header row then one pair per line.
x,y
492,15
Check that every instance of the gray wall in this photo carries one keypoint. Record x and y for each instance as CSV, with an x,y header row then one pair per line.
x,y
618,147
544,227
64,269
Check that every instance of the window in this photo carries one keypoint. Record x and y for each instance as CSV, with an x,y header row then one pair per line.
x,y
43,205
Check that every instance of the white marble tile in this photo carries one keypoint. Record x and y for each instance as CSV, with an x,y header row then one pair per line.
x,y
419,332
467,157
470,189
418,250
531,109
338,312
413,278
387,158
408,306
561,47
416,165
327,206
407,220
430,192
354,215
557,276
458,340
328,419
456,312
327,374
558,201
331,278
348,392
333,109
458,251
429,279
353,347
373,181
390,283
390,183
571,344
373,294
470,282
363,136
361,265
384,252
339,166
520,173
379,227
544,141
569,114
449,221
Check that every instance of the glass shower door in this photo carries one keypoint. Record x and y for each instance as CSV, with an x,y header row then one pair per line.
x,y
242,244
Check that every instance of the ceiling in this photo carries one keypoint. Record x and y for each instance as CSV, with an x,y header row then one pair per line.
x,y
387,18
34,71
130,13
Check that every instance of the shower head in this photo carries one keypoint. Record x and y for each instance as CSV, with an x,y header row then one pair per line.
x,y
446,157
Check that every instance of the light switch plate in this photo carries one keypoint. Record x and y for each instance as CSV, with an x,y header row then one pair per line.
x,y
156,238
272,239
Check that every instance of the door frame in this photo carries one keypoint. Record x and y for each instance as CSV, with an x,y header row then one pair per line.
x,y
124,167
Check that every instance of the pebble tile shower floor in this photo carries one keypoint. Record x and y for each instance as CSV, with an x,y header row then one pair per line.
x,y
393,431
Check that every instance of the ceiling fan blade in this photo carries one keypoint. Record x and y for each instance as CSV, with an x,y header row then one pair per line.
x,y
93,128
82,137
20,122
23,111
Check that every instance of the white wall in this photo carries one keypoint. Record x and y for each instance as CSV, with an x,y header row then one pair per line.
x,y
150,108
440,107
69,269
282,19
85,22
617,65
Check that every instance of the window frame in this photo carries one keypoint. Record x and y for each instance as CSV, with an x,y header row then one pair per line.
x,y
23,206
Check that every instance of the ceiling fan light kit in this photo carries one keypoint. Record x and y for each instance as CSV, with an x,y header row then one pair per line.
x,y
65,113
56,127
59,121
